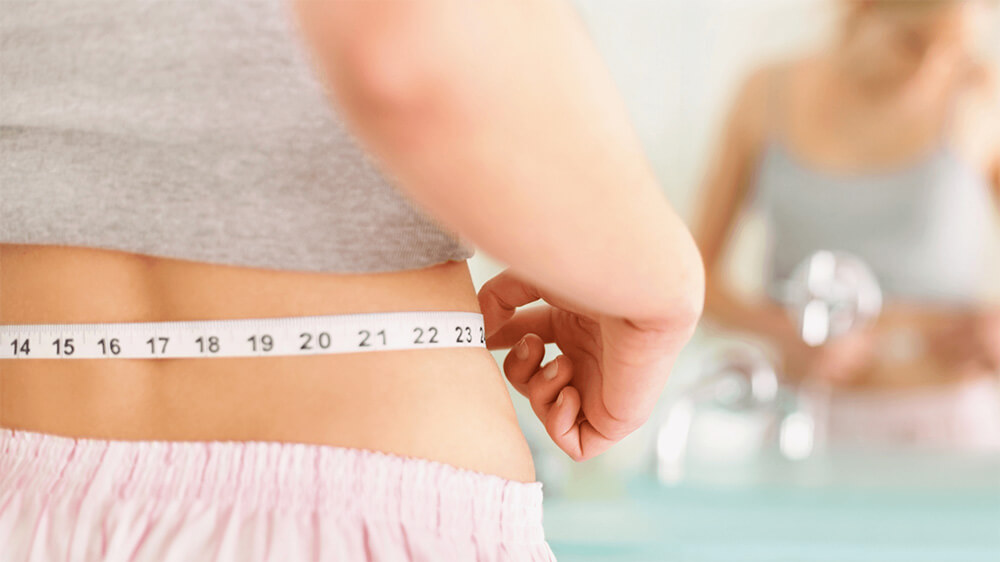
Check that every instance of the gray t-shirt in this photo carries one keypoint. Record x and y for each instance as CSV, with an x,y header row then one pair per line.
x,y
194,129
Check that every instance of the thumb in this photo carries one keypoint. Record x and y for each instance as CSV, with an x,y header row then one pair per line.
x,y
500,297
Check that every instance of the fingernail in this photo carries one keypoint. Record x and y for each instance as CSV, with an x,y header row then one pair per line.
x,y
559,399
551,370
521,349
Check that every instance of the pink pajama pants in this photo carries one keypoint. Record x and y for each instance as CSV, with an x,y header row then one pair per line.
x,y
89,499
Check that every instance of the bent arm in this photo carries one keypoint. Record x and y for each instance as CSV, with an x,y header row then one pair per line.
x,y
993,124
722,202
985,121
498,118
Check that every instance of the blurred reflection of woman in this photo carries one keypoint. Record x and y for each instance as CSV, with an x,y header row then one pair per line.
x,y
885,145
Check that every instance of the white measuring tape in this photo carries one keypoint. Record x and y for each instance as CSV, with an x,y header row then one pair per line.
x,y
258,337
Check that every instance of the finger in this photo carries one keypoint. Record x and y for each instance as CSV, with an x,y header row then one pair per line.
x,y
523,361
546,383
578,438
500,297
593,442
561,422
533,319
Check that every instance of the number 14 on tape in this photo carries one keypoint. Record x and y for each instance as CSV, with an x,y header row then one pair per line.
x,y
309,335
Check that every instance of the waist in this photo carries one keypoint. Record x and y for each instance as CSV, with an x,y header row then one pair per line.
x,y
448,405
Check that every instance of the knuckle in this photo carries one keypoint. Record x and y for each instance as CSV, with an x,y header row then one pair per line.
x,y
619,428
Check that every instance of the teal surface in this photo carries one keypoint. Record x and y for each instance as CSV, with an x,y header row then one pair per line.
x,y
912,510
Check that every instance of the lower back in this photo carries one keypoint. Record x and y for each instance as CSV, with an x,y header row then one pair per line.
x,y
449,405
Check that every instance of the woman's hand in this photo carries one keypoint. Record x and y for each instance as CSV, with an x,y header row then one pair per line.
x,y
969,344
609,376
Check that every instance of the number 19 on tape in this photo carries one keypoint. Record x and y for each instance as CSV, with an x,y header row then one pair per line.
x,y
258,337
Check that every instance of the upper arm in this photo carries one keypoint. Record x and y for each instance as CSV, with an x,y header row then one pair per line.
x,y
995,170
376,53
994,173
730,172
992,104
982,120
996,176
499,119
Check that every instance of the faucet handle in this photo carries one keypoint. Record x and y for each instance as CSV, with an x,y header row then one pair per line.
x,y
830,294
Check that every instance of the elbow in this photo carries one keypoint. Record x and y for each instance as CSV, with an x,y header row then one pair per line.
x,y
688,306
681,307
689,302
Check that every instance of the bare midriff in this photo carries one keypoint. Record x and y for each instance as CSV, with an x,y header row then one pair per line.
x,y
449,405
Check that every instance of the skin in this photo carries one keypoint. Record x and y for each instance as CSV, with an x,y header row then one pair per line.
x,y
542,171
876,98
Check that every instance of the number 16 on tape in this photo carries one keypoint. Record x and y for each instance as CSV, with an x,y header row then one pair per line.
x,y
311,335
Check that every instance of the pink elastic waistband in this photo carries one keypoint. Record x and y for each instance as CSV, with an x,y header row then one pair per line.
x,y
276,476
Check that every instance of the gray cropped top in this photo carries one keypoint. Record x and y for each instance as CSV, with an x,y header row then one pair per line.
x,y
923,228
192,129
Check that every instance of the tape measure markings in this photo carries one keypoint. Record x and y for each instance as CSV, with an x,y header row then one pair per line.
x,y
254,337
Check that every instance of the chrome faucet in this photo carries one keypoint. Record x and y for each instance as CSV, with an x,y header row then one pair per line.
x,y
828,295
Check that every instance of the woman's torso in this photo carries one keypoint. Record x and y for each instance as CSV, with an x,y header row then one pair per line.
x,y
449,405
901,194
143,145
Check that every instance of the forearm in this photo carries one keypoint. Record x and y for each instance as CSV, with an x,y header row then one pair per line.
x,y
523,147
757,316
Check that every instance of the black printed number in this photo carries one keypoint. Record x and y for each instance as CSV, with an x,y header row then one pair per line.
x,y
420,335
64,347
322,339
21,347
464,334
266,342
366,335
112,346
482,335
211,344
152,344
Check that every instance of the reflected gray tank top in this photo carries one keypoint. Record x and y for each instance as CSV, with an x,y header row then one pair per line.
x,y
922,228
192,129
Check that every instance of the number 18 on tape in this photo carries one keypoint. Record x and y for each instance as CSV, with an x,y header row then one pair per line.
x,y
257,337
